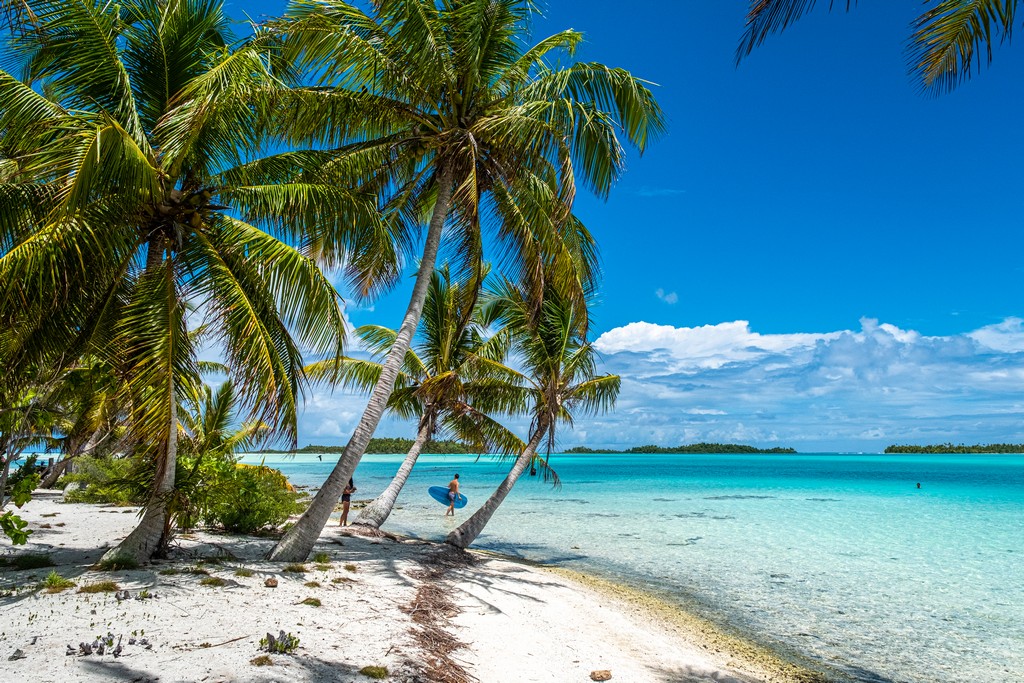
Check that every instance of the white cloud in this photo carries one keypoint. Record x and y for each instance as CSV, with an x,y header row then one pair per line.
x,y
847,390
669,298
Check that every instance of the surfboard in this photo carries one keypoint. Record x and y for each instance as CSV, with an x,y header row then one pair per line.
x,y
440,494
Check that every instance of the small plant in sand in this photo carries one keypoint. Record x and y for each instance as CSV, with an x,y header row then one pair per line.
x,y
117,563
243,571
100,587
377,673
262,660
295,569
213,582
283,644
322,558
55,583
312,584
170,571
196,570
341,579
312,602
351,568
323,567
30,561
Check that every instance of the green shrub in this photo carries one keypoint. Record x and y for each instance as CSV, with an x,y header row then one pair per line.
x,y
213,582
295,568
117,481
312,602
243,571
255,498
322,558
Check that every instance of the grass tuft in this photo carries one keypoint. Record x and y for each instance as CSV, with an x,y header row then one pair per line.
x,y
262,660
312,584
322,558
196,570
100,587
243,571
30,561
295,569
55,583
213,582
170,571
377,673
117,563
312,602
341,579
351,568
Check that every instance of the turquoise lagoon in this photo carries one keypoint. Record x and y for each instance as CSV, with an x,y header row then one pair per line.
x,y
840,558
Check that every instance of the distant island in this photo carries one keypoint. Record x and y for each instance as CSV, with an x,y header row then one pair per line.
x,y
385,446
950,448
691,448
391,446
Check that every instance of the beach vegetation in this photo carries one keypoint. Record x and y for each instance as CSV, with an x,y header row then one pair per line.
x,y
55,583
472,128
169,571
30,561
322,558
262,660
115,563
99,587
243,572
212,582
949,39
351,568
559,380
283,643
377,673
295,568
311,602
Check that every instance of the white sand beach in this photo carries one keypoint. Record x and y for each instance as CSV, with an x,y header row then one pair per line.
x,y
420,610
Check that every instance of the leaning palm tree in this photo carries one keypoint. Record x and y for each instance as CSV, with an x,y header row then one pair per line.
x,y
949,38
472,130
559,382
139,174
451,361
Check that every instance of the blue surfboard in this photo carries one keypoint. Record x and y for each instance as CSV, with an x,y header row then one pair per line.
x,y
440,494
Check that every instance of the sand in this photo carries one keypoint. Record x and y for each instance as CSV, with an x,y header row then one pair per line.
x,y
423,611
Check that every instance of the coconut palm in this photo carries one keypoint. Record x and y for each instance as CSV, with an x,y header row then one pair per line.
x,y
473,131
450,363
949,39
559,382
139,173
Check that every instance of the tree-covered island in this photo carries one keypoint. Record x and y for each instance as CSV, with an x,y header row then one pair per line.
x,y
949,448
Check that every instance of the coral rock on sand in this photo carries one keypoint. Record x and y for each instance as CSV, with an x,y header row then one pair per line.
x,y
601,675
270,583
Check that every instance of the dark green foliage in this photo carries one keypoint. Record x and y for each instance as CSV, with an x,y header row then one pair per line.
x,y
213,582
691,448
378,673
249,499
30,561
117,481
101,587
950,448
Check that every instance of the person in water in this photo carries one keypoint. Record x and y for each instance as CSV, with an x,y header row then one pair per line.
x,y
346,501
453,494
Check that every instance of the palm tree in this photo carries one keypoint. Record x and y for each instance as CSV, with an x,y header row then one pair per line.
x,y
452,362
474,132
559,382
140,174
948,39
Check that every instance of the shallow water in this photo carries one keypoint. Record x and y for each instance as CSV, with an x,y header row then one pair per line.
x,y
839,557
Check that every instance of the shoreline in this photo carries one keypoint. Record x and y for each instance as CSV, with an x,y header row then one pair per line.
x,y
577,623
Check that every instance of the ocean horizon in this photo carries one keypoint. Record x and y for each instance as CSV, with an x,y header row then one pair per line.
x,y
839,559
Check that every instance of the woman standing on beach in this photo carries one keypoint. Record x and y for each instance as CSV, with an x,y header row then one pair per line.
x,y
346,501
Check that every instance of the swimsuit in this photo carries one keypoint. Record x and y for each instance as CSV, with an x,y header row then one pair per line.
x,y
451,496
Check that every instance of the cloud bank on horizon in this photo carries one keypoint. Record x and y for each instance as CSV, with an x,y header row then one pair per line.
x,y
848,390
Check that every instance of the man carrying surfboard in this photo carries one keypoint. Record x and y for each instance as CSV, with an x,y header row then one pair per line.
x,y
453,495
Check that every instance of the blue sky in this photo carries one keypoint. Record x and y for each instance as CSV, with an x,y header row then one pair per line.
x,y
816,255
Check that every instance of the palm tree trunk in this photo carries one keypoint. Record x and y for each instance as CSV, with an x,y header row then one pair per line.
x,y
298,541
377,512
6,470
467,532
151,533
